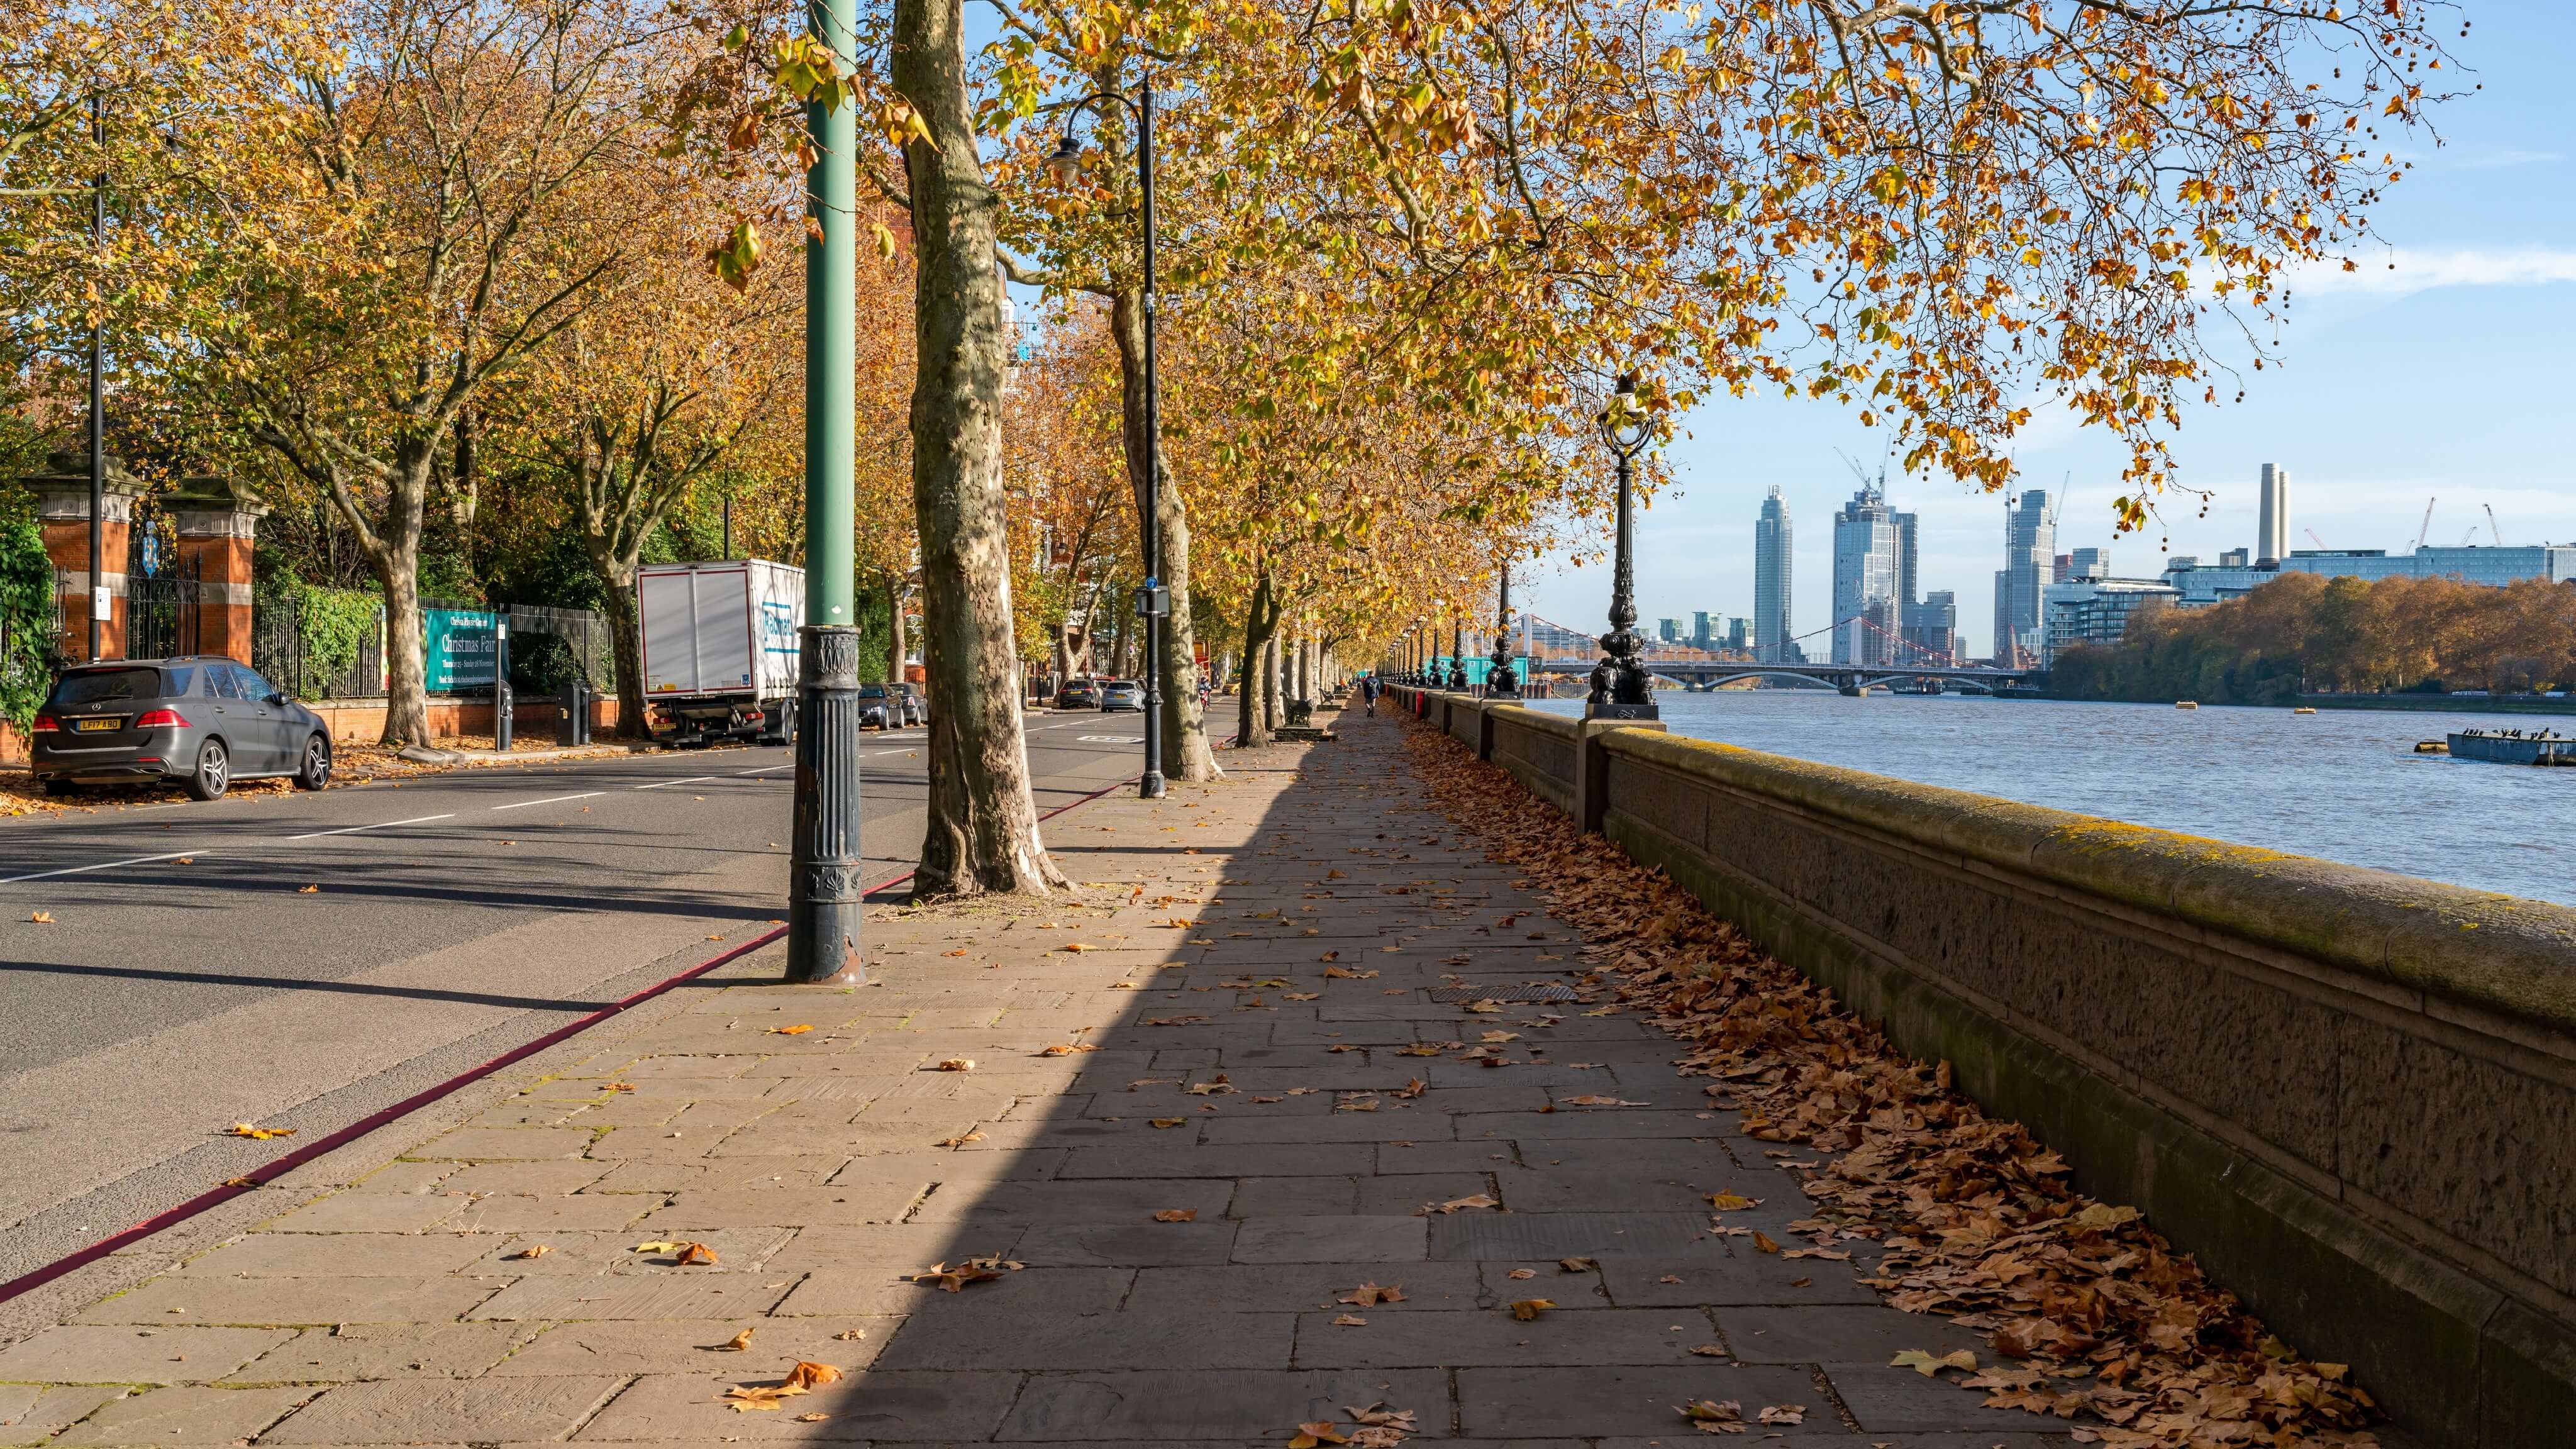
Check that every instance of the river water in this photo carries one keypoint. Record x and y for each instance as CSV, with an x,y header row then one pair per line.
x,y
2341,784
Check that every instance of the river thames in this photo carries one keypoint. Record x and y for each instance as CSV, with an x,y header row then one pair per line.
x,y
2342,784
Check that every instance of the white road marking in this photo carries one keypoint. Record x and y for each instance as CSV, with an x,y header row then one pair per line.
x,y
666,784
103,865
379,825
549,800
765,769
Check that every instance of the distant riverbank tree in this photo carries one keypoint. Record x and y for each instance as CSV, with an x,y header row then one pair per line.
x,y
2306,633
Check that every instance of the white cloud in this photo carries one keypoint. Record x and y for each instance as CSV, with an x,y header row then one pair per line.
x,y
2496,160
2402,271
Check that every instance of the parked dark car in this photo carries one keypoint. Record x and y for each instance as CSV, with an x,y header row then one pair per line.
x,y
1078,694
203,720
1122,694
914,709
875,707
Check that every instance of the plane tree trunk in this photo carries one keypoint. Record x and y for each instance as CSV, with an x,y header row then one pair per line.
x,y
982,832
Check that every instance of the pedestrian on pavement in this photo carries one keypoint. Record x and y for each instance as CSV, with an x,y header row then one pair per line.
x,y
1368,691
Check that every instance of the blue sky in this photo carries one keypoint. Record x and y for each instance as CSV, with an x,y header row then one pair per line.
x,y
2446,378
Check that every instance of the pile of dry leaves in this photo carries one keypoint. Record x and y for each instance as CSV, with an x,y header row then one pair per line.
x,y
2098,1316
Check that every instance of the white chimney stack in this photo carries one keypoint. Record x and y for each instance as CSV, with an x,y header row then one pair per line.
x,y
2272,532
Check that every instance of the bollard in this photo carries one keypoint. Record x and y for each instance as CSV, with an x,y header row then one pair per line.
x,y
501,681
574,730
825,885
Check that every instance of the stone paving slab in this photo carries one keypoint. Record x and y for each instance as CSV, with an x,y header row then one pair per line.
x,y
99,1354
34,1413
1225,1147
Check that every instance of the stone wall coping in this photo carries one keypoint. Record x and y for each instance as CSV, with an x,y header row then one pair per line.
x,y
2504,953
1524,717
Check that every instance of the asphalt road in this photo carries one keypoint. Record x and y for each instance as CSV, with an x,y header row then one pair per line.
x,y
303,960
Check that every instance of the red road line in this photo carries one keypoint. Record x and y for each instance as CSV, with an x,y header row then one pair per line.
x,y
268,1172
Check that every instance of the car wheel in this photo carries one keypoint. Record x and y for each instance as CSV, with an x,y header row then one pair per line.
x,y
59,787
316,771
214,772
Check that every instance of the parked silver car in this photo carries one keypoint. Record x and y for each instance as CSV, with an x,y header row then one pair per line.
x,y
202,720
1121,694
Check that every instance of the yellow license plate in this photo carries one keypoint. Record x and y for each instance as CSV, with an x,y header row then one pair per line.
x,y
88,725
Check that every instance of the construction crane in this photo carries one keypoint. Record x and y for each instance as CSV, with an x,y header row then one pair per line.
x,y
2312,537
1862,473
2464,538
2426,531
2491,524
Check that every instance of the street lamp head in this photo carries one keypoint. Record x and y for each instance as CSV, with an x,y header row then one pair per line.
x,y
1066,161
1622,425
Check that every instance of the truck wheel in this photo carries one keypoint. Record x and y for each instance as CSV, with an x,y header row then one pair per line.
x,y
782,724
213,774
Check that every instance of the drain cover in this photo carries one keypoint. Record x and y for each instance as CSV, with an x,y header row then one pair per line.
x,y
1532,991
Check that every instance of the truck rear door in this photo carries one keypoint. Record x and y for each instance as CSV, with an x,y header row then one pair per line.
x,y
727,644
667,600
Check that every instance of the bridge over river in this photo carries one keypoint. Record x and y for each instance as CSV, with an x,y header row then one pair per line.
x,y
1705,674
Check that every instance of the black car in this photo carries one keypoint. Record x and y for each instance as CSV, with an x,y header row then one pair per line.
x,y
1078,694
203,720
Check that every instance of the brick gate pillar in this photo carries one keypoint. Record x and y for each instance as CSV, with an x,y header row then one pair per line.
x,y
62,512
216,521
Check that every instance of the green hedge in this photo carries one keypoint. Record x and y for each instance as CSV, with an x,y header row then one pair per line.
x,y
27,658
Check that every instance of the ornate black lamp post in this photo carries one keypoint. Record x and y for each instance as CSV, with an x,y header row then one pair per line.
x,y
1153,600
1620,689
1458,651
1499,678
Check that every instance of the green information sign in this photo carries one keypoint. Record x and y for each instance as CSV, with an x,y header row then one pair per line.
x,y
459,647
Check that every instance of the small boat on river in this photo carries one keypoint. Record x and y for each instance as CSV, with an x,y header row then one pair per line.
x,y
2514,747
2186,704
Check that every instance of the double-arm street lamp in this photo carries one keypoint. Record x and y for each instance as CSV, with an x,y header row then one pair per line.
x,y
1499,678
1458,650
1153,601
1620,688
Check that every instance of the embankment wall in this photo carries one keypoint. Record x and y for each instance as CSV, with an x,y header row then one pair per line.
x,y
2351,1093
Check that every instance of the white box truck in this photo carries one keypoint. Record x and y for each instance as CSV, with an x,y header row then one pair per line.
x,y
720,648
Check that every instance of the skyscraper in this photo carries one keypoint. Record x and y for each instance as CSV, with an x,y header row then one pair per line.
x,y
2030,538
1932,629
2002,652
1906,579
1865,574
1772,538
2272,529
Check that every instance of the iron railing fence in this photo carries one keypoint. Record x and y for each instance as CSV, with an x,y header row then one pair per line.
x,y
277,651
